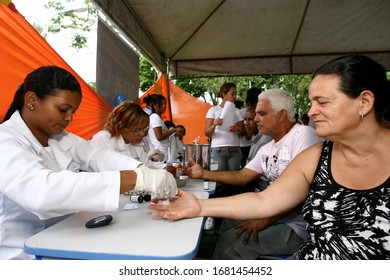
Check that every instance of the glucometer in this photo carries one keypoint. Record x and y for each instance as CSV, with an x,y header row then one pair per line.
x,y
99,221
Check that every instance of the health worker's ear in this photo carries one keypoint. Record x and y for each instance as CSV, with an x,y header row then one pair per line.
x,y
30,98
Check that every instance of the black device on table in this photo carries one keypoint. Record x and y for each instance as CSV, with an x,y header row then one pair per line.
x,y
99,221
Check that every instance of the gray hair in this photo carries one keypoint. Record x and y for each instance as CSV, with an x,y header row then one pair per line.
x,y
280,100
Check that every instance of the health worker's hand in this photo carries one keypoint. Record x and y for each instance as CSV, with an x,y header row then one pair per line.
x,y
156,155
157,181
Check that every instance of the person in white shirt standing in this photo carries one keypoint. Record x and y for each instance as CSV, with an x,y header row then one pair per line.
x,y
158,132
225,131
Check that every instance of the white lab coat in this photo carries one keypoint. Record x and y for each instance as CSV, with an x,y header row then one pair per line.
x,y
38,189
176,149
136,151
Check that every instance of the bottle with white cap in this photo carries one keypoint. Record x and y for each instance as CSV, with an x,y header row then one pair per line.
x,y
206,184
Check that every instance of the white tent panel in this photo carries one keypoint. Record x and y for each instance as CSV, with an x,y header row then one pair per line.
x,y
251,37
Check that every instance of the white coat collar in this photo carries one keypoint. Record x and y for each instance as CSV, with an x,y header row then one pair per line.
x,y
120,144
20,126
61,145
57,142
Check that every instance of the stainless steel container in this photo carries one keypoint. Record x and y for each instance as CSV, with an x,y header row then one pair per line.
x,y
200,153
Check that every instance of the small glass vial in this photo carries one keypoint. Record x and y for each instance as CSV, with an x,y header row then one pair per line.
x,y
136,198
206,184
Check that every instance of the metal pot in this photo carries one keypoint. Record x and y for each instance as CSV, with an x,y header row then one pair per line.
x,y
200,153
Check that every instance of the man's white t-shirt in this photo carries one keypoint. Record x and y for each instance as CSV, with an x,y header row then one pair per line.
x,y
272,158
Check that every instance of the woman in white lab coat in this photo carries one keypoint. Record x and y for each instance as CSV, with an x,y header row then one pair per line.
x,y
40,182
126,127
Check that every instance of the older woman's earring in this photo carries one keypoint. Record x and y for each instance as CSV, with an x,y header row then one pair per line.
x,y
361,116
31,107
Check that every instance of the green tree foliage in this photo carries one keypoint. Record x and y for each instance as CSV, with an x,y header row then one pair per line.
x,y
92,85
80,22
205,88
148,74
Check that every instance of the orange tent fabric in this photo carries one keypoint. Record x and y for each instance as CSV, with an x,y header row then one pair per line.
x,y
22,50
183,109
161,86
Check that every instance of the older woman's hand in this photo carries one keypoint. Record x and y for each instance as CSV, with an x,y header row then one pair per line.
x,y
185,206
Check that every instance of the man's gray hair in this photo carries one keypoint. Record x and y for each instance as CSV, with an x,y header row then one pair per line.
x,y
280,100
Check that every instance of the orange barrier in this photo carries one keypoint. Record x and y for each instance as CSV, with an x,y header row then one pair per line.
x,y
22,50
182,108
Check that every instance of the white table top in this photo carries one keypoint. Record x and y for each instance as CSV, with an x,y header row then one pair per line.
x,y
197,185
133,234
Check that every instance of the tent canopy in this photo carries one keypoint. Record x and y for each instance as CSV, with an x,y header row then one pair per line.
x,y
251,37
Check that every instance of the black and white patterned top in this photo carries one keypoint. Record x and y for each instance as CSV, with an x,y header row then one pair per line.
x,y
345,223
